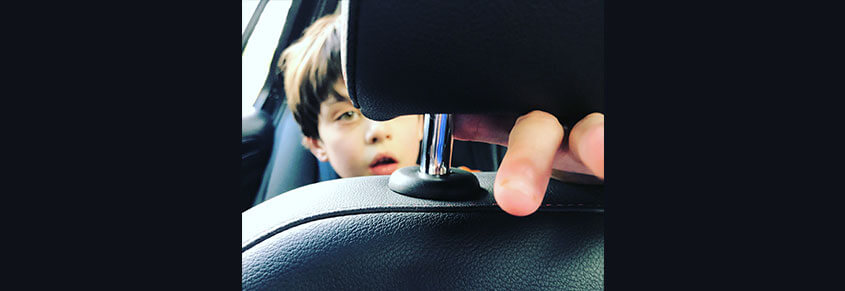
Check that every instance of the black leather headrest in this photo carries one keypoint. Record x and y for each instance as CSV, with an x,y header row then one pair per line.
x,y
504,56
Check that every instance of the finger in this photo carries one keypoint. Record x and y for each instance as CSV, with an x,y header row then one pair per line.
x,y
586,141
493,129
523,176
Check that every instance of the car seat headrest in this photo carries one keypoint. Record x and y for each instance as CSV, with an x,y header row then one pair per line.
x,y
414,57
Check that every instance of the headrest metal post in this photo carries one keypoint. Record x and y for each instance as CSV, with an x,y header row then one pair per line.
x,y
436,150
434,178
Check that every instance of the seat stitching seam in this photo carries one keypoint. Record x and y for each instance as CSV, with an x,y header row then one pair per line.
x,y
384,209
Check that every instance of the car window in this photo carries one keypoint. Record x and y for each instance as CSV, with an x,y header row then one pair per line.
x,y
260,46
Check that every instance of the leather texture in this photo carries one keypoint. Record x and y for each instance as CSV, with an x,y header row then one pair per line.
x,y
497,56
356,234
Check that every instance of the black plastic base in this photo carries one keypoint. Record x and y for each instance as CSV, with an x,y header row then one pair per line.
x,y
455,186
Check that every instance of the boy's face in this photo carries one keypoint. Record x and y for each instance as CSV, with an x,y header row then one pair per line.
x,y
358,146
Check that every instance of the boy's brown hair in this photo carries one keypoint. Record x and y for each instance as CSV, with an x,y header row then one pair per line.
x,y
312,68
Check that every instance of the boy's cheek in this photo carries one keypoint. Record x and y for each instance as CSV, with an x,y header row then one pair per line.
x,y
350,156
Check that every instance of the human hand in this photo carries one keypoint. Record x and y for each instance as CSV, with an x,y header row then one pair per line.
x,y
536,147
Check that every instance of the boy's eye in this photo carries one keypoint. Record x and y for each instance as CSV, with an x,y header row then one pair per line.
x,y
348,115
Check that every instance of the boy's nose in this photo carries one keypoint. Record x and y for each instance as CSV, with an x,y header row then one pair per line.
x,y
378,132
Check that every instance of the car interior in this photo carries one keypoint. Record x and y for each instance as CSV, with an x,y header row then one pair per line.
x,y
303,227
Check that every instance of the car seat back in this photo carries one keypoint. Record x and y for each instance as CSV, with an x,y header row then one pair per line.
x,y
355,234
291,165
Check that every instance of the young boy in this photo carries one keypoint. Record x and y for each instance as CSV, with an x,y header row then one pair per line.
x,y
333,129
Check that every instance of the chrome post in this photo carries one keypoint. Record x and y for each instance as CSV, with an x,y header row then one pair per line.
x,y
436,150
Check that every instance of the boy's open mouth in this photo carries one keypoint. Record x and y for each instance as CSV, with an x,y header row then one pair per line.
x,y
383,164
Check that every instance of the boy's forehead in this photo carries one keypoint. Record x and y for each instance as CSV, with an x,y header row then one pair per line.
x,y
339,96
332,105
339,100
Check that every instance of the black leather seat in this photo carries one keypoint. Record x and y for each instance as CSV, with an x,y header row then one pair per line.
x,y
355,234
